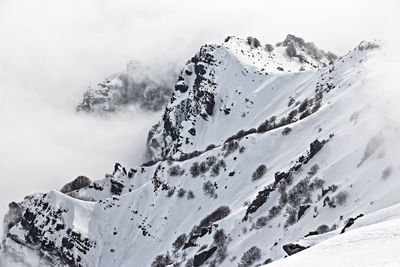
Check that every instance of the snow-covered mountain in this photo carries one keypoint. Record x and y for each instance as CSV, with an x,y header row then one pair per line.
x,y
262,152
146,87
220,83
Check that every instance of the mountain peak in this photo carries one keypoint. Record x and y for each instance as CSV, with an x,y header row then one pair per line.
x,y
241,65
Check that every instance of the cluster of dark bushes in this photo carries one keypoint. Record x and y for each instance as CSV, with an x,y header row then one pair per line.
x,y
269,47
286,131
270,124
162,261
261,222
240,134
183,156
313,170
253,42
341,197
249,257
195,169
181,193
230,147
220,241
259,172
171,192
284,179
176,170
190,194
209,189
306,108
215,170
211,160
210,163
387,172
218,214
179,242
267,125
300,194
323,229
199,168
309,47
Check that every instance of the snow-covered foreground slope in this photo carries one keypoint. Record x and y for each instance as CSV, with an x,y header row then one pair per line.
x,y
375,244
257,149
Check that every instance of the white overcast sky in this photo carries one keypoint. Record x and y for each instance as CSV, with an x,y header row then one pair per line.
x,y
51,50
95,37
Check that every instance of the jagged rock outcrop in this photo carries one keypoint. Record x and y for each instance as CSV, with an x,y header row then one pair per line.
x,y
291,249
78,183
140,85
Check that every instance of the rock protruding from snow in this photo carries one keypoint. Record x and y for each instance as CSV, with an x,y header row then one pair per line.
x,y
216,89
296,47
78,183
148,88
291,249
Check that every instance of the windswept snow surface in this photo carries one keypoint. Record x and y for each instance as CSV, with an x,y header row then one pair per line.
x,y
326,133
372,245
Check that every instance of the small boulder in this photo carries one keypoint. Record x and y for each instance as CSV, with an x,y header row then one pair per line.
x,y
291,249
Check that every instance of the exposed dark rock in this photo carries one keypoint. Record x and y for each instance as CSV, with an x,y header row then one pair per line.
x,y
262,196
181,87
315,147
78,183
302,210
137,85
117,167
116,187
200,258
350,222
291,249
281,176
209,103
191,242
97,187
260,199
199,103
269,260
13,216
42,218
312,233
192,131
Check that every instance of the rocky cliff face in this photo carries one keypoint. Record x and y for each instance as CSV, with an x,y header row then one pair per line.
x,y
139,85
258,156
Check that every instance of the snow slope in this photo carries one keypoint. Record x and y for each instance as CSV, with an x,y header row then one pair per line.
x,y
374,244
318,151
